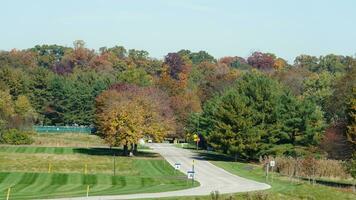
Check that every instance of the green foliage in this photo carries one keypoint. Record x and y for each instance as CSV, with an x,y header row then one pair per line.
x,y
351,166
13,136
258,114
351,128
197,57
48,55
337,105
137,76
319,87
331,63
15,80
72,98
56,85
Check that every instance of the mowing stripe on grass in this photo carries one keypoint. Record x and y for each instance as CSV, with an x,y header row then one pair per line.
x,y
61,150
43,185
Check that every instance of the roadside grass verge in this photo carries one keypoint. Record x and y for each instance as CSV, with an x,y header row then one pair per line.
x,y
283,187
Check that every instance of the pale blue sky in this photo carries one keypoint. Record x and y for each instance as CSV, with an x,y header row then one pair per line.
x,y
221,27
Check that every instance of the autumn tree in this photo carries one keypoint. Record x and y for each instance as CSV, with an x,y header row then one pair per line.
x,y
262,61
127,113
15,113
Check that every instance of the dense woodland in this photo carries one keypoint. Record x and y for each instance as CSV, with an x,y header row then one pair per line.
x,y
246,107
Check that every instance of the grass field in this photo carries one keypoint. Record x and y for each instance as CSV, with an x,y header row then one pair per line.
x,y
25,170
67,139
282,187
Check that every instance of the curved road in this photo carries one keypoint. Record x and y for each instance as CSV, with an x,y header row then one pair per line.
x,y
210,177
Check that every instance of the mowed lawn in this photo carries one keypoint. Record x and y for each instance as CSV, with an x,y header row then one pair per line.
x,y
67,139
47,172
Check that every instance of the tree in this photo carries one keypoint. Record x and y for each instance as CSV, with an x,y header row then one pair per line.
x,y
176,65
337,104
280,63
15,80
126,113
17,114
332,63
197,57
48,55
26,115
293,78
235,62
262,61
351,128
319,88
256,115
23,59
307,62
6,109
136,76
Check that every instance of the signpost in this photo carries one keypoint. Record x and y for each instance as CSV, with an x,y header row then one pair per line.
x,y
190,175
272,163
196,139
269,164
177,166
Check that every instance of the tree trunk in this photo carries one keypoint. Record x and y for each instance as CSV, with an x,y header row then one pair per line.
x,y
135,149
131,149
126,148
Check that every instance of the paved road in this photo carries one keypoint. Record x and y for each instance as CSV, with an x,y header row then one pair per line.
x,y
210,177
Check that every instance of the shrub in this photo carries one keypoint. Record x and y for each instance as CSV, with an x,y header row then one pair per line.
x,y
14,136
256,196
310,167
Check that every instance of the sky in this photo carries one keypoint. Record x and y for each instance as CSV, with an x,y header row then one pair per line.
x,y
287,28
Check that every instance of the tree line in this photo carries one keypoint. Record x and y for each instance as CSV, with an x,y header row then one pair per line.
x,y
246,107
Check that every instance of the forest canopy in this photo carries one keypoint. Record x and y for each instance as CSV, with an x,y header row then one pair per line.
x,y
246,107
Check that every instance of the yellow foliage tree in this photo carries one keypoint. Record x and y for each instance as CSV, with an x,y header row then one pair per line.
x,y
279,64
125,117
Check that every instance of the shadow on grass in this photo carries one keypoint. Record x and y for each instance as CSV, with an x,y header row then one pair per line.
x,y
217,156
212,156
110,152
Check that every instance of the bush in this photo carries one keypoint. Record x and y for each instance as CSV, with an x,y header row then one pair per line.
x,y
14,136
257,196
311,167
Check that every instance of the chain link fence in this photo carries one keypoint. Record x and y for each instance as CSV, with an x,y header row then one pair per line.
x,y
63,129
